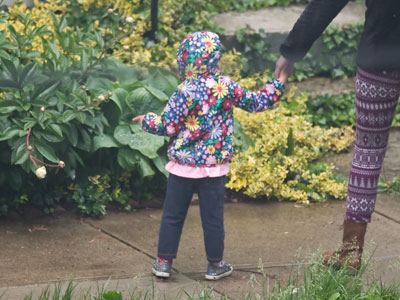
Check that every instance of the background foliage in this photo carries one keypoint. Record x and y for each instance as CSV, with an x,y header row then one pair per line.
x,y
74,73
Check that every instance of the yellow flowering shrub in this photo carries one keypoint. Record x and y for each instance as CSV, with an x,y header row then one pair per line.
x,y
267,169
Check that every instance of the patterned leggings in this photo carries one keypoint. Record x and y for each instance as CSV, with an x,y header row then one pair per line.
x,y
377,94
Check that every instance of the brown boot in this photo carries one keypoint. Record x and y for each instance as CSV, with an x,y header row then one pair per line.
x,y
351,250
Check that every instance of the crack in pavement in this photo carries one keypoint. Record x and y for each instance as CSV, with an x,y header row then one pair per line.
x,y
387,217
113,236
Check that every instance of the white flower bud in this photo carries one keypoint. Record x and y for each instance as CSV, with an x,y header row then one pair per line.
x,y
61,164
41,172
101,98
129,20
30,148
110,10
109,94
83,87
126,47
43,109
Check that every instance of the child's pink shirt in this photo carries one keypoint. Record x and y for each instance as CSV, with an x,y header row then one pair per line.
x,y
197,172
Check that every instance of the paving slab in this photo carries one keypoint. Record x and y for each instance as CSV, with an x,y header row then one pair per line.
x,y
277,22
62,248
271,231
281,19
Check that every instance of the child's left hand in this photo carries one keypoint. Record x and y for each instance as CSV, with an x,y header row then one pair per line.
x,y
138,119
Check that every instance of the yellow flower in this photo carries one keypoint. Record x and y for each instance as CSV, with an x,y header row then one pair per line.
x,y
220,90
191,71
210,149
189,101
210,44
192,123
178,143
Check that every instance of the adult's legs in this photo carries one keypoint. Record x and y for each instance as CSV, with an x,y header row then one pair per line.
x,y
211,199
377,94
179,195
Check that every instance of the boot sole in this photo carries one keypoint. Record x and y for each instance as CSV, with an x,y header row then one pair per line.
x,y
160,274
216,277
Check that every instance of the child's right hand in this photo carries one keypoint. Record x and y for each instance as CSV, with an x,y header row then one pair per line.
x,y
138,119
283,77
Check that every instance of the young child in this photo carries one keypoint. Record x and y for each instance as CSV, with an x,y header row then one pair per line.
x,y
199,119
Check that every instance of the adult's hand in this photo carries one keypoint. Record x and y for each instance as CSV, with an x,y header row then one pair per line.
x,y
283,66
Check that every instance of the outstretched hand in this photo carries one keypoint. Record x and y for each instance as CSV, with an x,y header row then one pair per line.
x,y
138,119
283,69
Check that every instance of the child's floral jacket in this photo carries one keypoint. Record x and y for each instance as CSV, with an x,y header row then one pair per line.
x,y
199,114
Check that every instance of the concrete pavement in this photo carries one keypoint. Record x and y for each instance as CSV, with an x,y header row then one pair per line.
x,y
120,248
123,245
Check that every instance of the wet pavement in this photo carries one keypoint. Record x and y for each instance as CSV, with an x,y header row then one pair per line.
x,y
122,246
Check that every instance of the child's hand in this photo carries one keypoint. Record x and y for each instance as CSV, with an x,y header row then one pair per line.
x,y
138,119
283,69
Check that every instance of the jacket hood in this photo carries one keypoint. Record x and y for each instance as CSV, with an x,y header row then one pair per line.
x,y
199,54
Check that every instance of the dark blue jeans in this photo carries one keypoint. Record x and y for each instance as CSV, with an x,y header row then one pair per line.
x,y
211,199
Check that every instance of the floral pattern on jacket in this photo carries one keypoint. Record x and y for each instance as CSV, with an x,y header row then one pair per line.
x,y
199,115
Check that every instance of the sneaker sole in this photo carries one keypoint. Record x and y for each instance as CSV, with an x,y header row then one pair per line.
x,y
216,277
160,274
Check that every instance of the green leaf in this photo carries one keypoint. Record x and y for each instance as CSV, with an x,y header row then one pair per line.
x,y
57,129
128,158
145,168
118,97
26,73
7,107
45,89
157,93
46,150
86,142
123,134
10,69
146,143
11,132
112,295
104,141
21,155
290,143
53,49
142,101
160,162
67,116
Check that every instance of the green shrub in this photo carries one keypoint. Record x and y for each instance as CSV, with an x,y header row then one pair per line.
x,y
69,108
333,57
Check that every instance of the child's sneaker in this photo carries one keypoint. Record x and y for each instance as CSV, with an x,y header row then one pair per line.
x,y
216,271
162,268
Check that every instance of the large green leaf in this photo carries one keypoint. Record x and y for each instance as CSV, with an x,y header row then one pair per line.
x,y
99,85
128,158
157,93
145,168
118,97
123,134
104,141
146,143
143,102
160,162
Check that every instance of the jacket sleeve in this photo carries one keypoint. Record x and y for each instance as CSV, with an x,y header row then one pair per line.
x,y
171,119
317,15
257,101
